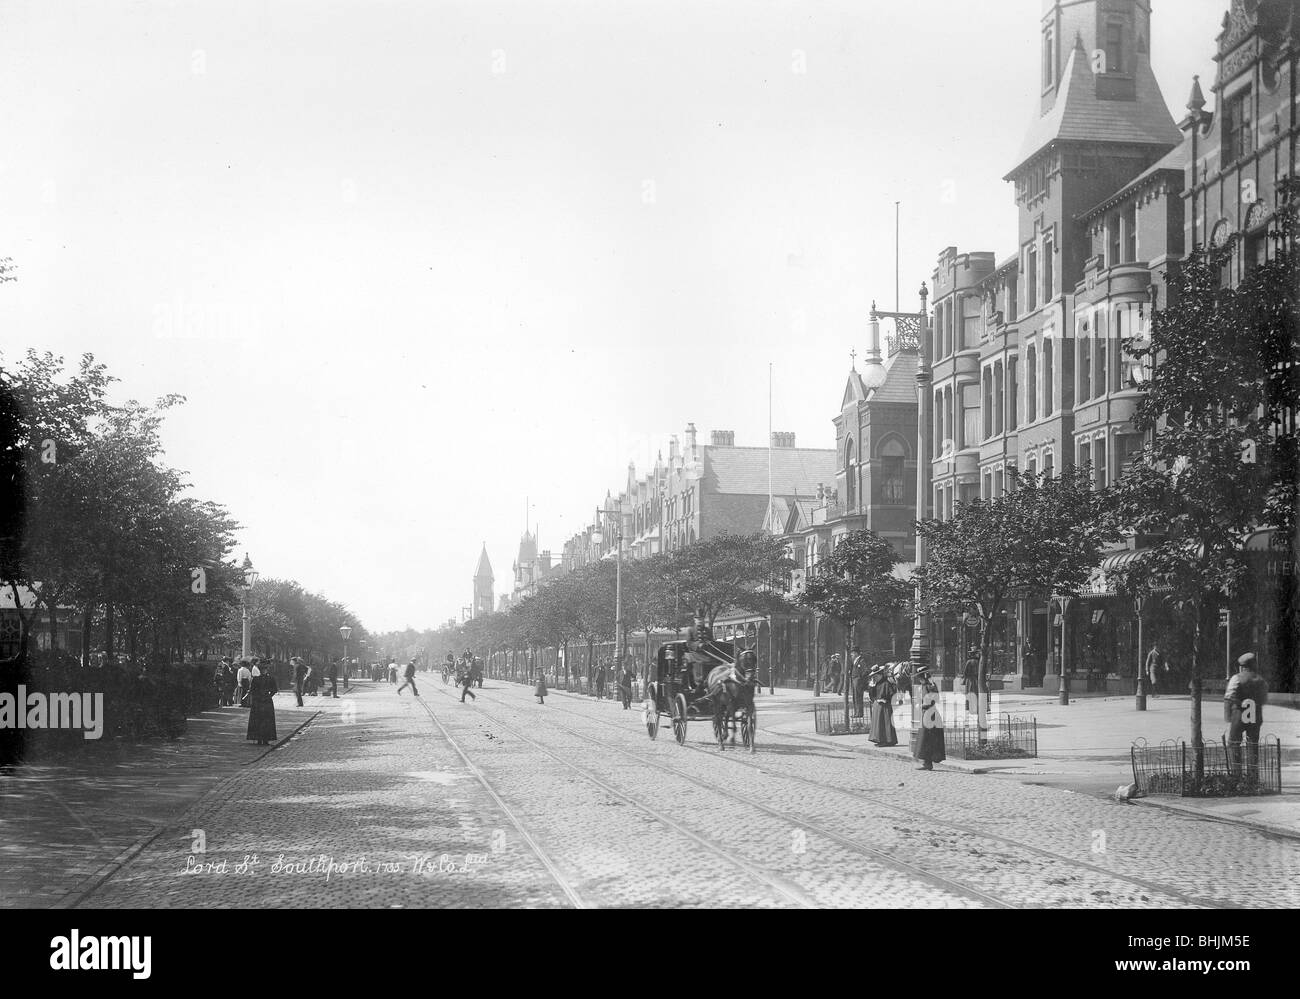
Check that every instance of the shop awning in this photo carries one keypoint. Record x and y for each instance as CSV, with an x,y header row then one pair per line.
x,y
1103,579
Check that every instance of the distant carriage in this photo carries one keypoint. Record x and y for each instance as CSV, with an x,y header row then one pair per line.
x,y
703,679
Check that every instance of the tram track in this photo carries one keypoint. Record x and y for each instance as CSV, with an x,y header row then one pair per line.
x,y
779,886
914,813
946,885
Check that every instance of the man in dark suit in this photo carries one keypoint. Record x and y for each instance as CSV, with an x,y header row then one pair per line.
x,y
299,677
332,675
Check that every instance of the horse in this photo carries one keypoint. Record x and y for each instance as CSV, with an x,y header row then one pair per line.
x,y
731,691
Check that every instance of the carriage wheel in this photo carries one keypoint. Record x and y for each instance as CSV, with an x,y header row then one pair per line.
x,y
679,719
650,713
749,729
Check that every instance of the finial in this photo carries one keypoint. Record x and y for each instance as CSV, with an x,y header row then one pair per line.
x,y
1197,100
925,293
853,358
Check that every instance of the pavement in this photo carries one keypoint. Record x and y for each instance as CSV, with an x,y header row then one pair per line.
x,y
1084,746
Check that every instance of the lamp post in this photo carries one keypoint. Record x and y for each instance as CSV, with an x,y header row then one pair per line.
x,y
250,580
361,664
598,537
346,632
1064,602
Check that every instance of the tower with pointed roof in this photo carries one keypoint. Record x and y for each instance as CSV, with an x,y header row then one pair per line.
x,y
484,598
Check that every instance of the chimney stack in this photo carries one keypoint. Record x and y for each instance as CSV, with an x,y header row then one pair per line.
x,y
690,437
724,438
782,440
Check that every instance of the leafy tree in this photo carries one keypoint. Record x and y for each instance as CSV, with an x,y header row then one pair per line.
x,y
856,582
1221,460
1045,535
731,571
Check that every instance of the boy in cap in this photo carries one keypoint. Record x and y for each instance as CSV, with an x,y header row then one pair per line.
x,y
1243,701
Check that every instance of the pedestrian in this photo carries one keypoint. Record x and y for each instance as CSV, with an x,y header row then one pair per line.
x,y
970,676
221,679
882,689
540,691
625,681
332,675
299,677
261,714
243,680
466,682
477,670
836,673
858,676
410,680
929,745
1243,703
600,680
1155,666
392,670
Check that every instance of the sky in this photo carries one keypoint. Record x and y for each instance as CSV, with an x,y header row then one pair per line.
x,y
425,270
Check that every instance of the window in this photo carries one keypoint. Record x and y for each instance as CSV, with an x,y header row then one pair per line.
x,y
949,431
1013,396
1048,377
1102,378
1128,222
988,485
988,404
1237,137
1031,389
1084,342
848,475
1048,459
1049,285
1031,269
892,488
1128,448
1114,48
1049,59
1031,466
1099,469
1011,300
971,414
938,424
999,398
1113,241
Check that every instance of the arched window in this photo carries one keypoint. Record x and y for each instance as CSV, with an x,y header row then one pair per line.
x,y
1048,405
893,455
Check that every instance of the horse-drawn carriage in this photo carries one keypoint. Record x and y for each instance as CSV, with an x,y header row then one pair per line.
x,y
703,678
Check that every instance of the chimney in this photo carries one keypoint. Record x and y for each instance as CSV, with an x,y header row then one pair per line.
x,y
782,440
673,449
690,437
724,438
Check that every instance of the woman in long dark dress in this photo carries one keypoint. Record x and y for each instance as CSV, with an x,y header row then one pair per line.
x,y
930,744
882,707
261,715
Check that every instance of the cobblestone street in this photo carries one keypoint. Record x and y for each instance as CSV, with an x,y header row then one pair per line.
x,y
388,801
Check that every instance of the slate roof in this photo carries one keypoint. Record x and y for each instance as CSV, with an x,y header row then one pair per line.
x,y
900,379
742,471
1078,115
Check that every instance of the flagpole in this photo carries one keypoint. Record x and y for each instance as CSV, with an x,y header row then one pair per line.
x,y
771,666
897,232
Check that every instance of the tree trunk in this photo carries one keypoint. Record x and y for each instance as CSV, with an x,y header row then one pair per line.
x,y
846,669
1198,746
110,626
985,667
51,604
87,618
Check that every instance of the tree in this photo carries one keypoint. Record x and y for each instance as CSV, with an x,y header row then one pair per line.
x,y
1221,459
731,571
1043,536
649,600
856,582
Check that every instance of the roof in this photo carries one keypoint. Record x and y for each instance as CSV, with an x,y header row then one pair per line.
x,y
1174,161
900,379
1079,115
484,570
527,548
742,471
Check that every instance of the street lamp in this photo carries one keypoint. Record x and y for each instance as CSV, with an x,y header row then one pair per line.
x,y
346,632
250,580
598,537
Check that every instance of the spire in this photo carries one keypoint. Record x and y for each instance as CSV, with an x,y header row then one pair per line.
x,y
484,570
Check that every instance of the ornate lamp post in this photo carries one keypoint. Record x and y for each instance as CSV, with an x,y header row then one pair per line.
x,y
909,326
346,633
598,537
250,580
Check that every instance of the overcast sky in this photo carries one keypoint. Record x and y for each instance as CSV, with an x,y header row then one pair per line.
x,y
415,262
